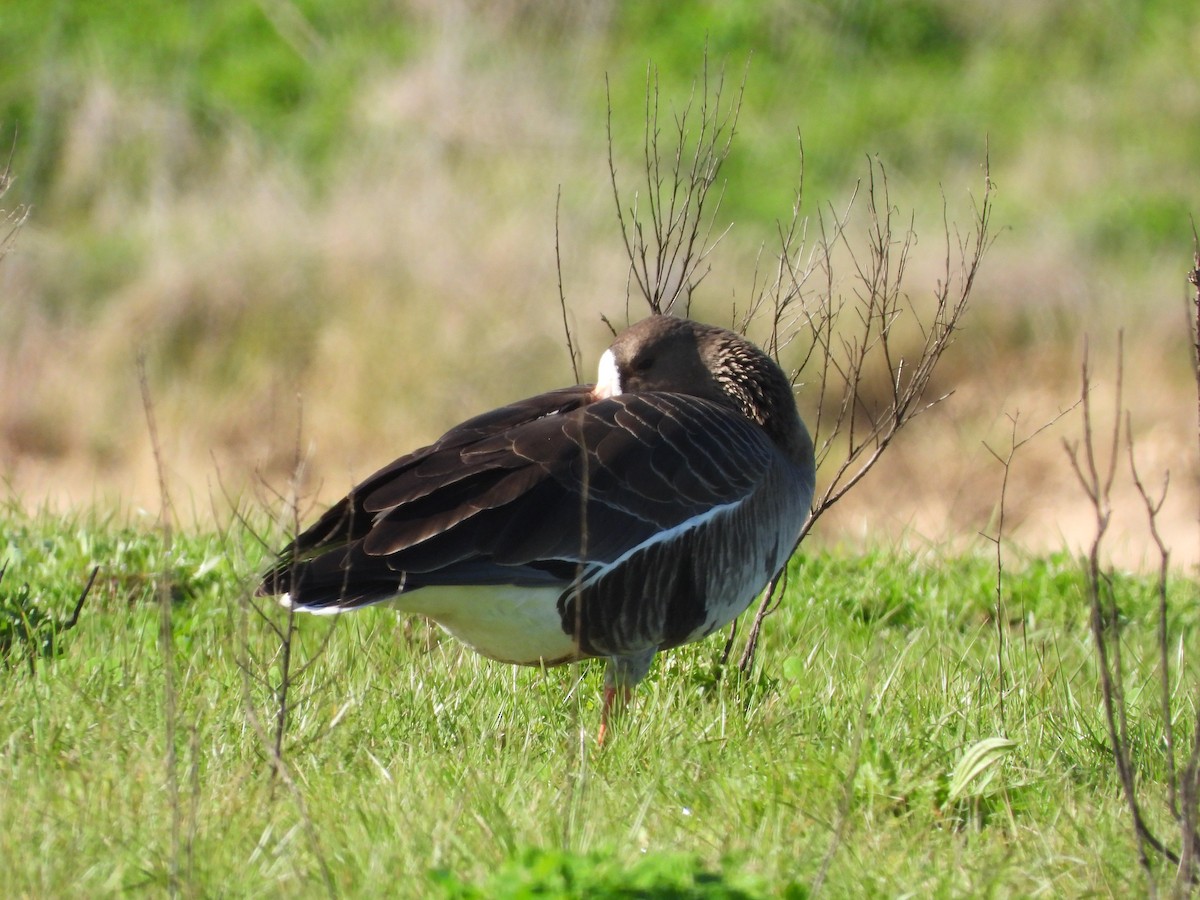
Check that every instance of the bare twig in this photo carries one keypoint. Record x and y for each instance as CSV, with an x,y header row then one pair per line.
x,y
1189,802
879,305
1153,508
166,636
12,218
1194,320
290,672
572,351
1189,782
1006,461
850,430
772,597
669,238
282,691
856,339
280,770
1096,479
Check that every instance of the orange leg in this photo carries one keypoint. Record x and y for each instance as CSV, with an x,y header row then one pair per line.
x,y
607,709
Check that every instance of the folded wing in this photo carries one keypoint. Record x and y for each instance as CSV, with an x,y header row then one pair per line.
x,y
542,492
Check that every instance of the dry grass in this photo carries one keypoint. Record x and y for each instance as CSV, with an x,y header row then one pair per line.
x,y
389,303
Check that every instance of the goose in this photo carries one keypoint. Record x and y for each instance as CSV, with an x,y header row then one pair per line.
x,y
610,520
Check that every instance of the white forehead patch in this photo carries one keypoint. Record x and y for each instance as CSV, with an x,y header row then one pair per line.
x,y
608,379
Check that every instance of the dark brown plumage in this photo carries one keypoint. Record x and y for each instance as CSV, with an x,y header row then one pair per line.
x,y
612,520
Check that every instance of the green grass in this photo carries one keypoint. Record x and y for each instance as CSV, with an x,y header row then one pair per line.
x,y
418,769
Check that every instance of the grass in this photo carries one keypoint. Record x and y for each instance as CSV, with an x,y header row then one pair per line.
x,y
419,769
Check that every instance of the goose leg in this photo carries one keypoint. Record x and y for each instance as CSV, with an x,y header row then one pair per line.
x,y
622,674
610,698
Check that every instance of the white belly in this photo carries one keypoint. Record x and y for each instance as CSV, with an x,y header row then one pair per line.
x,y
503,622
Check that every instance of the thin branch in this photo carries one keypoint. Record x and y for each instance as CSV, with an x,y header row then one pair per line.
x,y
772,597
669,228
1096,480
1189,784
166,637
279,767
1153,508
1193,278
851,430
1006,462
572,351
668,231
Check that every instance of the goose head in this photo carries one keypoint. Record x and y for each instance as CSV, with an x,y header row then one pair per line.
x,y
665,353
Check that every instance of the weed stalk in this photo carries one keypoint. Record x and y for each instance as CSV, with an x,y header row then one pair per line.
x,y
669,232
166,636
1096,478
998,539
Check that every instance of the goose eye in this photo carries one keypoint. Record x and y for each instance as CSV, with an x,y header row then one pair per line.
x,y
643,364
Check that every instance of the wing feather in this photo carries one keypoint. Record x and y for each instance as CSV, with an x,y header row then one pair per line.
x,y
529,492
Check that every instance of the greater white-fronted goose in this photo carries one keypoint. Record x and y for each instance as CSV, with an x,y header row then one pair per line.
x,y
609,520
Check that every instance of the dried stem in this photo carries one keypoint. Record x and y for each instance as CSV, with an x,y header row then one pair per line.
x,y
166,636
855,340
1194,322
12,219
1153,507
1096,478
1189,783
572,350
854,353
283,692
1006,462
280,769
285,655
669,238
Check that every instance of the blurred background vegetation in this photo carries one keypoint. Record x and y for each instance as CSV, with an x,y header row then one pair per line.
x,y
337,222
